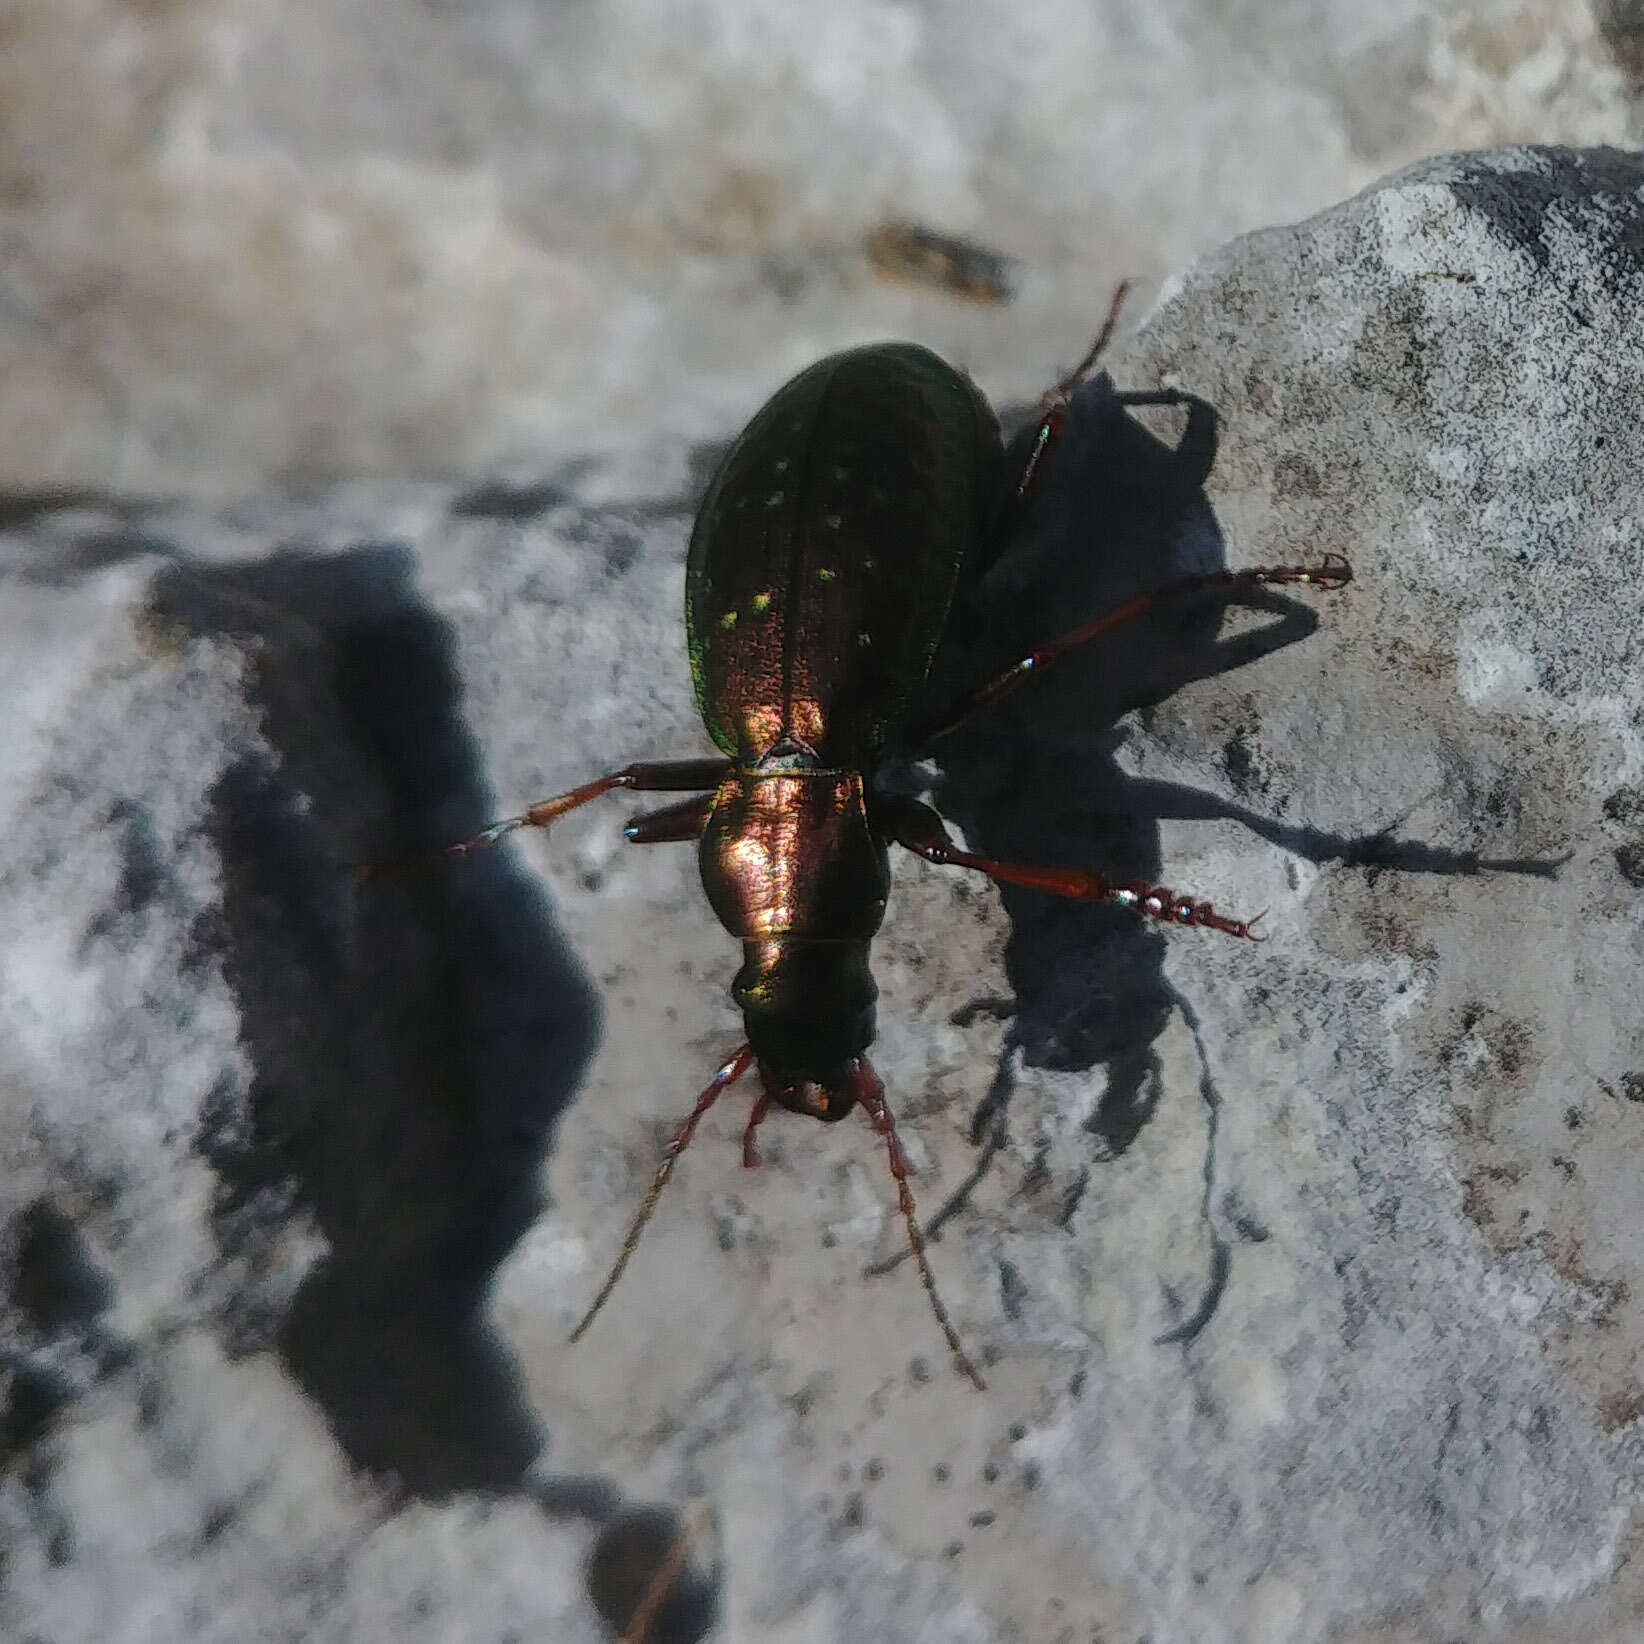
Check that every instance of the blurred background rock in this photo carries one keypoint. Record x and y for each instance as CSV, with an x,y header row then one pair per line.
x,y
251,242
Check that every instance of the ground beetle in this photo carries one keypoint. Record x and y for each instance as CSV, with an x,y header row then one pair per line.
x,y
821,573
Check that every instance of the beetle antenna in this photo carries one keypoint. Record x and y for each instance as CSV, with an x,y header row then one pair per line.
x,y
661,1584
722,1080
870,1092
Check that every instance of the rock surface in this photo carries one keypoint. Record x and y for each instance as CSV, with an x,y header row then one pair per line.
x,y
249,243
1306,1274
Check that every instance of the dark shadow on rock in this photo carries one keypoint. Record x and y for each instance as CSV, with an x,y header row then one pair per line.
x,y
57,1295
412,1042
1119,513
1528,208
58,1285
1036,780
648,1555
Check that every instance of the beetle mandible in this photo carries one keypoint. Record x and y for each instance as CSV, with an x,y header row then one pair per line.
x,y
818,584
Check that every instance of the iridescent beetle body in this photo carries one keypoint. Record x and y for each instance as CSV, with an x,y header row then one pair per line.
x,y
819,583
817,588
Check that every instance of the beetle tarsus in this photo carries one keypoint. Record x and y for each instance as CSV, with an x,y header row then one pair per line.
x,y
919,829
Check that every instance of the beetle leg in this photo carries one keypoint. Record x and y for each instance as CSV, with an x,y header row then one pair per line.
x,y
750,1153
1053,408
722,1080
1063,391
1331,572
685,820
921,830
660,776
867,1089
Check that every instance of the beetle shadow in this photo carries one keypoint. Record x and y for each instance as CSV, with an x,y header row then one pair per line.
x,y
411,1044
1119,513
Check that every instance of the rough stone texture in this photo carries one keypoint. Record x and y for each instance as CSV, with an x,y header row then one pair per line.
x,y
281,241
283,1341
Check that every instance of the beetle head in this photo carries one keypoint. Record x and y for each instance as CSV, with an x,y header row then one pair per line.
x,y
809,1012
817,1098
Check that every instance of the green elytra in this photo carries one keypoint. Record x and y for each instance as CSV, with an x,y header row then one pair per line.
x,y
826,553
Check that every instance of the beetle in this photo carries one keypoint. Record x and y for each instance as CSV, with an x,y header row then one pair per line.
x,y
819,581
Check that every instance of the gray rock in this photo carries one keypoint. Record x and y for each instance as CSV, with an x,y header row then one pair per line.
x,y
1305,1273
